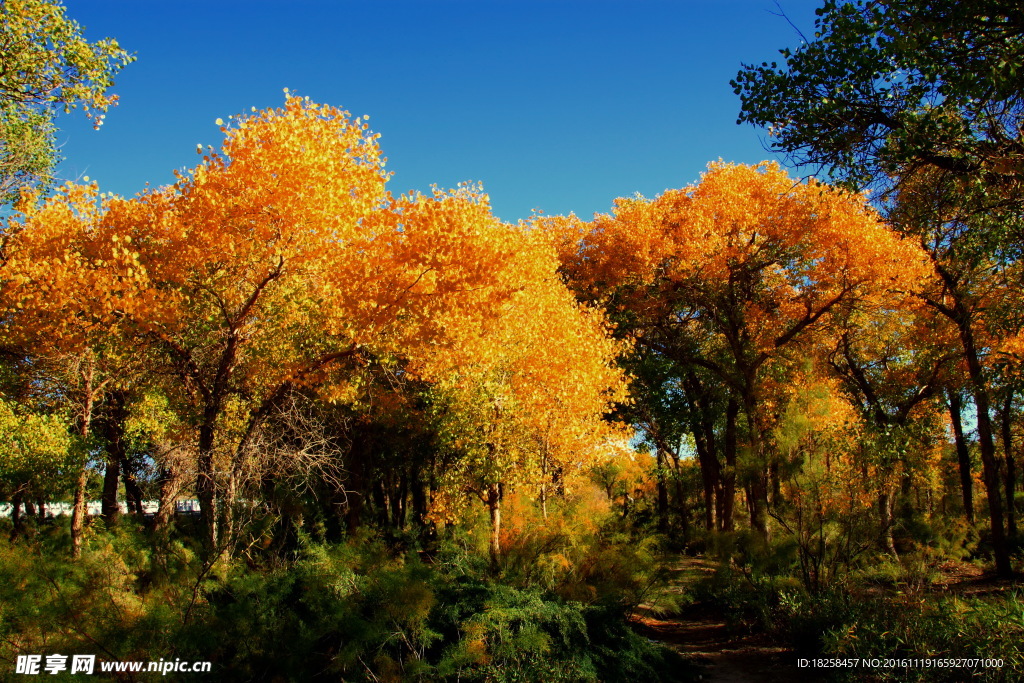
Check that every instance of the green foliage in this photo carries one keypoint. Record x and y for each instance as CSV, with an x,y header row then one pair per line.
x,y
354,611
27,149
581,552
47,64
119,601
846,622
887,85
947,627
512,634
35,448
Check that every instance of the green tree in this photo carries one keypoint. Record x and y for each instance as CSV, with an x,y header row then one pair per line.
x,y
923,101
36,454
47,64
889,87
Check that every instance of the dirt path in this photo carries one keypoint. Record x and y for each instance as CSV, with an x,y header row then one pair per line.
x,y
701,634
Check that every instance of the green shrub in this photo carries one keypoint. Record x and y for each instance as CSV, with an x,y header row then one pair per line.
x,y
842,622
354,611
940,627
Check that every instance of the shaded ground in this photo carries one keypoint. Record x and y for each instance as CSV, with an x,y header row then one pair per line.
x,y
969,580
704,639
701,634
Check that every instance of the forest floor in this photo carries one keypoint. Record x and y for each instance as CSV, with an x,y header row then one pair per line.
x,y
702,635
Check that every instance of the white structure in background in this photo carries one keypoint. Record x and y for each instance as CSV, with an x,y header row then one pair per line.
x,y
183,507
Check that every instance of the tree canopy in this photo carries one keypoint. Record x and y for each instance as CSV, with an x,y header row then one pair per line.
x,y
887,87
48,66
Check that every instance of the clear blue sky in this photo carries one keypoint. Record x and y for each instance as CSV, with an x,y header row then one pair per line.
x,y
560,105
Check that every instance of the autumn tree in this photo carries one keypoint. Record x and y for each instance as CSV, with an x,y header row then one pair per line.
x,y
55,283
39,455
730,275
527,399
282,263
894,358
921,100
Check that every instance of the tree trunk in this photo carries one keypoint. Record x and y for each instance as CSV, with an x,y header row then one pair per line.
x,y
962,317
758,487
544,484
662,493
709,475
1010,479
167,505
493,502
227,522
108,503
729,475
112,428
885,524
205,485
399,502
17,528
990,468
684,512
962,454
78,511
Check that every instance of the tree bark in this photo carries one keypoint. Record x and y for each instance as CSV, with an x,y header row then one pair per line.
x,y
79,511
758,486
662,492
727,522
109,508
111,426
17,527
205,484
544,484
885,524
167,505
493,502
962,454
1010,478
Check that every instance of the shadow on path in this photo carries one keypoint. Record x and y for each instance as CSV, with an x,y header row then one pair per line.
x,y
701,634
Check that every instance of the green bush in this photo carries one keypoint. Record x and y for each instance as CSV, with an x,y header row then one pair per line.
x,y
939,627
843,622
354,611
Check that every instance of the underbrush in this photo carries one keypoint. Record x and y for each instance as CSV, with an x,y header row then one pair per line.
x,y
355,611
850,621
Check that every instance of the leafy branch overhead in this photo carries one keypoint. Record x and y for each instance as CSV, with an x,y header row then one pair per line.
x,y
47,66
888,87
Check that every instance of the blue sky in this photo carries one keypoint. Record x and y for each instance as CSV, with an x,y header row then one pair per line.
x,y
560,105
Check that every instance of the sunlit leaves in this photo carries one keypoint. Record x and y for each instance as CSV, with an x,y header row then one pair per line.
x,y
35,448
47,64
281,262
